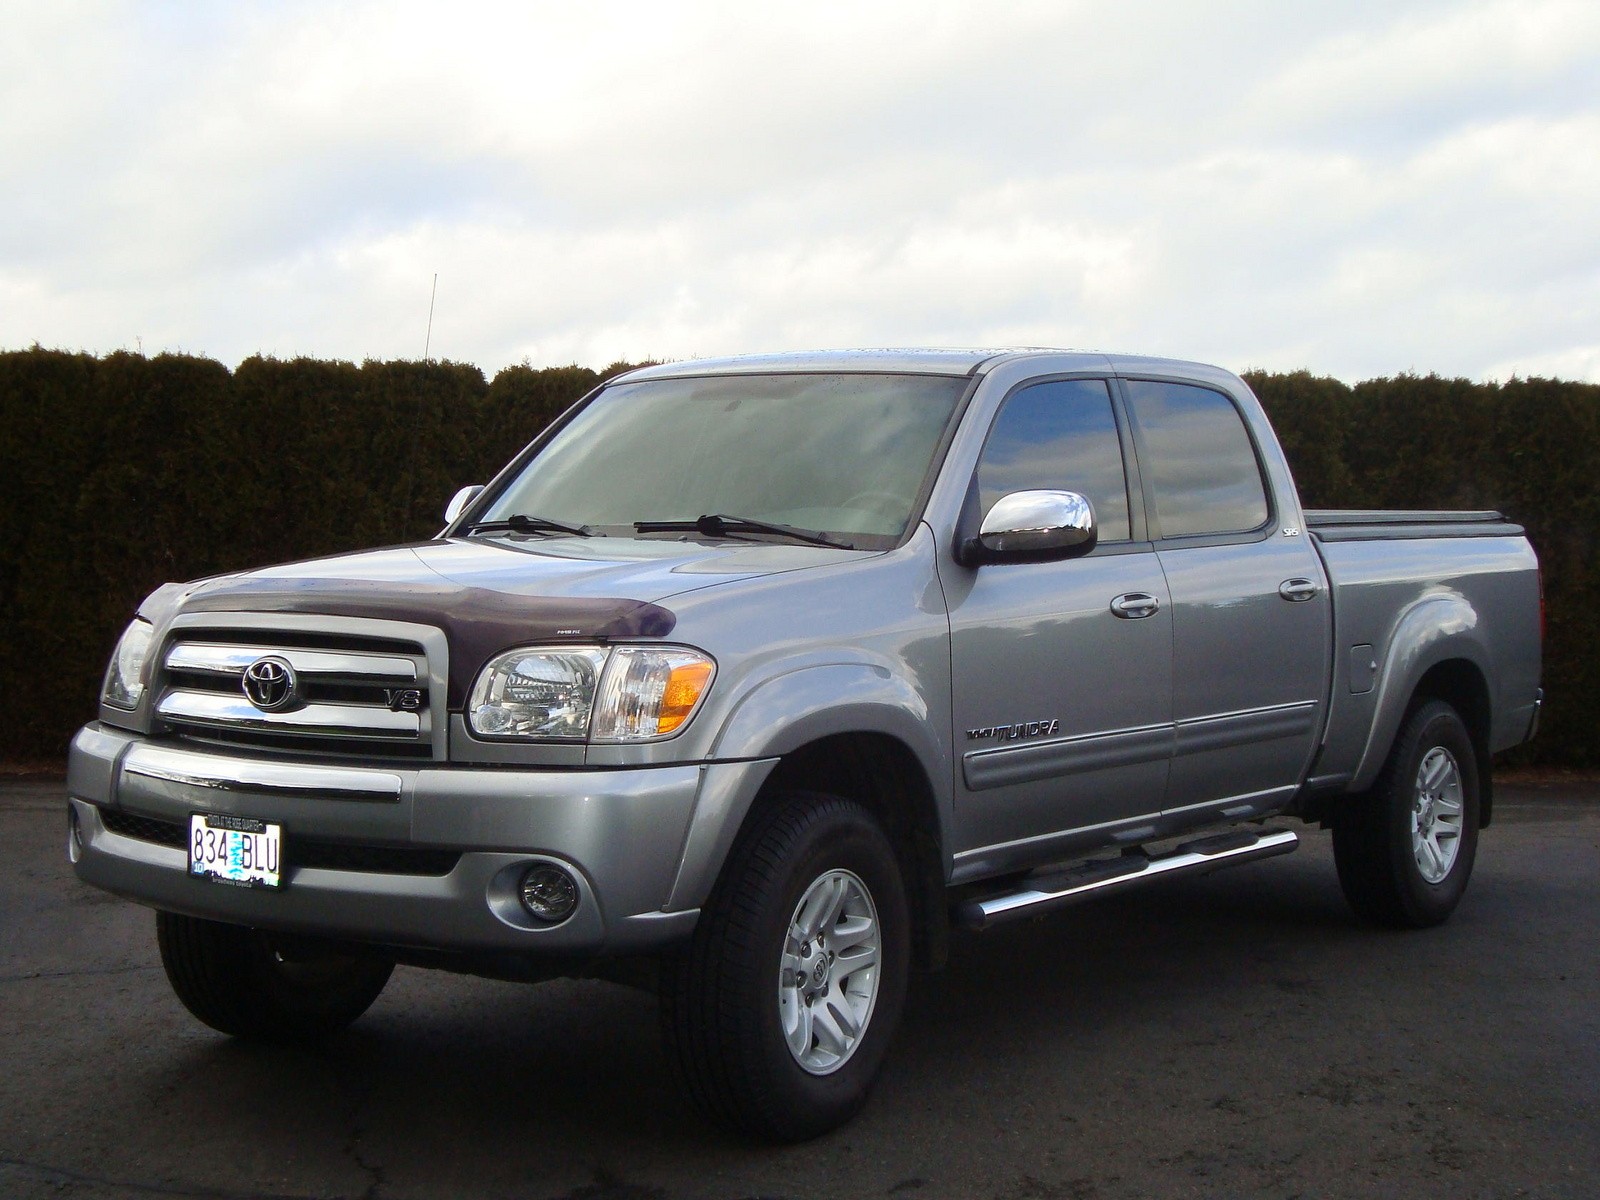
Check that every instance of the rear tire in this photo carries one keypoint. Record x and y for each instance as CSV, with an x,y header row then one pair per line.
x,y
252,984
779,1013
1405,849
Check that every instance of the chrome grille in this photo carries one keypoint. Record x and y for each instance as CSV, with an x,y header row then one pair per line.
x,y
354,695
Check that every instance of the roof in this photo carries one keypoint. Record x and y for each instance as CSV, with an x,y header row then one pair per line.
x,y
921,361
916,361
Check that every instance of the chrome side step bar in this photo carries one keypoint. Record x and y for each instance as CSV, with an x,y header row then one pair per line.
x,y
1045,891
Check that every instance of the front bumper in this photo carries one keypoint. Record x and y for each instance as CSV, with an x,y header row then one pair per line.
x,y
426,856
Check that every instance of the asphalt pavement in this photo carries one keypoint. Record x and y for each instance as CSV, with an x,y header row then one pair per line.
x,y
1233,1035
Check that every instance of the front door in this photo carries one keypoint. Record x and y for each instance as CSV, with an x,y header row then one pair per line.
x,y
1062,670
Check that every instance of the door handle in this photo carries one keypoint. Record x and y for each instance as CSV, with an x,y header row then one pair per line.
x,y
1130,606
1297,591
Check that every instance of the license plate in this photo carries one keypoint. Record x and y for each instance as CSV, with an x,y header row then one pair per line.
x,y
235,850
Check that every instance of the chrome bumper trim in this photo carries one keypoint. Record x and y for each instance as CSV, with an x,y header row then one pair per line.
x,y
237,775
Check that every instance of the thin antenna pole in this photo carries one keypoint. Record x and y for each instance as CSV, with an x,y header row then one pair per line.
x,y
428,342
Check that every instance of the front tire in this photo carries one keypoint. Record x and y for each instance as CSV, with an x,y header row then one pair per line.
x,y
780,1011
252,984
1405,849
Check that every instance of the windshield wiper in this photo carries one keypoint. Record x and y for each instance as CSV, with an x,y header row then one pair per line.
x,y
722,525
522,523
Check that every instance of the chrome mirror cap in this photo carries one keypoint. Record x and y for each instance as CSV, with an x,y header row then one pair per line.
x,y
458,502
1037,524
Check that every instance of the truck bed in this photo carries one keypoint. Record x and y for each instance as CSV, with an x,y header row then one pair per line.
x,y
1395,570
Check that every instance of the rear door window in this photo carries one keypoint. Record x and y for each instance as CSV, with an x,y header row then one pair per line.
x,y
1197,456
1062,436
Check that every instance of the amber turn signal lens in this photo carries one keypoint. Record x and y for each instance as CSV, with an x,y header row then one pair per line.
x,y
649,692
682,693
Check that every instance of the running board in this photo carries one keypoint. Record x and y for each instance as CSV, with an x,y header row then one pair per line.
x,y
1046,891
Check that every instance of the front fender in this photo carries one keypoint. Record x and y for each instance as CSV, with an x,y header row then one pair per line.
x,y
802,705
1436,629
781,715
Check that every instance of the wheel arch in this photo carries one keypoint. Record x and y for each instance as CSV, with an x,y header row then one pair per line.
x,y
881,773
1435,650
856,729
1459,681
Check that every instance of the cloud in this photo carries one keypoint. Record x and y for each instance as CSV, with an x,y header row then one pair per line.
x,y
1357,188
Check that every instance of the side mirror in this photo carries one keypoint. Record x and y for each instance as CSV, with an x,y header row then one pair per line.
x,y
1036,526
458,502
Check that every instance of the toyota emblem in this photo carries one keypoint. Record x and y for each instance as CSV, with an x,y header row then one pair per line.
x,y
270,684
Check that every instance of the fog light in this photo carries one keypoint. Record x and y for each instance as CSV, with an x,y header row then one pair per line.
x,y
74,835
549,893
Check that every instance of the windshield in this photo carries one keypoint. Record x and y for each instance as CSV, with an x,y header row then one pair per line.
x,y
841,454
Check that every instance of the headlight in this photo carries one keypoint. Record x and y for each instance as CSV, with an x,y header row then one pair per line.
x,y
536,693
629,694
125,676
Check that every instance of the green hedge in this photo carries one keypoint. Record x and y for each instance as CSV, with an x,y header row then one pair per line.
x,y
120,473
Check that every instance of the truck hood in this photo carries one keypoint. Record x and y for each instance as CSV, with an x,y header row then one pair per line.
x,y
489,594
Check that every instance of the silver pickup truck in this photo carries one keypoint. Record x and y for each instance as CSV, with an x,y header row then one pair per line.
x,y
752,678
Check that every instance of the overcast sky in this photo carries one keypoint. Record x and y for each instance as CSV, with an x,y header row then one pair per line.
x,y
1357,188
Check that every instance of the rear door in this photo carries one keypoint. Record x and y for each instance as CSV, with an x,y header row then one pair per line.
x,y
1250,609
